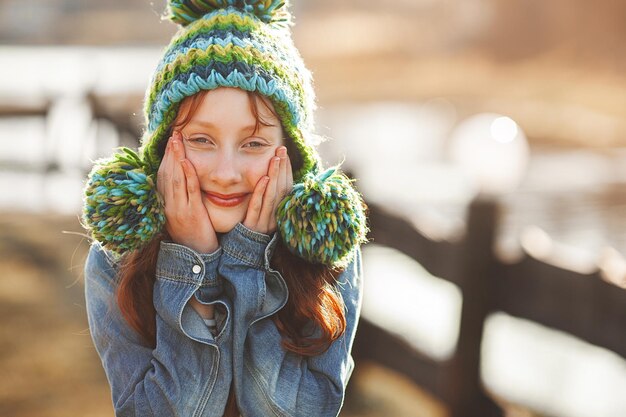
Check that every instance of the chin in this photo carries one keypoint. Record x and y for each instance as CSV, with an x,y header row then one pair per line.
x,y
224,227
224,221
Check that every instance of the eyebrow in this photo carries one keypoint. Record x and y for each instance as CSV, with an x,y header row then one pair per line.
x,y
208,124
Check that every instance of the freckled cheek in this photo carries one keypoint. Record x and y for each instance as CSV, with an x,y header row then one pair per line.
x,y
254,170
202,163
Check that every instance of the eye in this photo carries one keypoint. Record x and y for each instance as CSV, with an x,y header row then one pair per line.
x,y
255,144
199,141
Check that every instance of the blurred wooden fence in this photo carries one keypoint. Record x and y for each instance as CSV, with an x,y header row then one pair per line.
x,y
583,305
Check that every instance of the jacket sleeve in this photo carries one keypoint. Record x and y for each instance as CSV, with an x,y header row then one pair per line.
x,y
177,378
285,383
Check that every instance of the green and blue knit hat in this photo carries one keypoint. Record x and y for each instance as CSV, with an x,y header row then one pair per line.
x,y
244,44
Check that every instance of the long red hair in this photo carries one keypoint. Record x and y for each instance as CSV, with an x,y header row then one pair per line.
x,y
313,299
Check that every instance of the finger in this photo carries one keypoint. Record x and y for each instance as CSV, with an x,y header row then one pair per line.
x,y
179,184
164,172
256,202
179,138
281,187
269,198
193,184
166,153
289,174
164,178
282,174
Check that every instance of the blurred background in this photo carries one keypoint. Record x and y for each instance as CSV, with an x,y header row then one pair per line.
x,y
494,131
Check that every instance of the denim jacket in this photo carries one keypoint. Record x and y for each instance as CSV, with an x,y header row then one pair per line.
x,y
190,371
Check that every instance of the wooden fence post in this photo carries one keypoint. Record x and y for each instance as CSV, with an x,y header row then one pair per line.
x,y
466,396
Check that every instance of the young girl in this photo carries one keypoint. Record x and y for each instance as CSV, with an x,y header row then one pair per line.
x,y
226,276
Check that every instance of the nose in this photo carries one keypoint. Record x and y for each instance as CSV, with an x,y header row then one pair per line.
x,y
226,170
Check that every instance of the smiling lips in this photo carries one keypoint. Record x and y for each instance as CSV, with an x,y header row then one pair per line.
x,y
225,200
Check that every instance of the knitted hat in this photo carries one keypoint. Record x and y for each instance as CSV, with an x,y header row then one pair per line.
x,y
244,44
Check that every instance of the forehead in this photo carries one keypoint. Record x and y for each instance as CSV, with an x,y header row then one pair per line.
x,y
228,106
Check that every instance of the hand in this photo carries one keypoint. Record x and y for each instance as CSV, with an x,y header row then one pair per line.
x,y
187,220
268,193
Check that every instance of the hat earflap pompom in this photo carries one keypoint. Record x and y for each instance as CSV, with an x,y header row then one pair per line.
x,y
323,219
123,209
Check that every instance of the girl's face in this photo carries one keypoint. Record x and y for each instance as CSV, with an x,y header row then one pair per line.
x,y
230,154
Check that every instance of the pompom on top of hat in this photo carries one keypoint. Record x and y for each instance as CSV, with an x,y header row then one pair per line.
x,y
185,12
123,209
323,218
